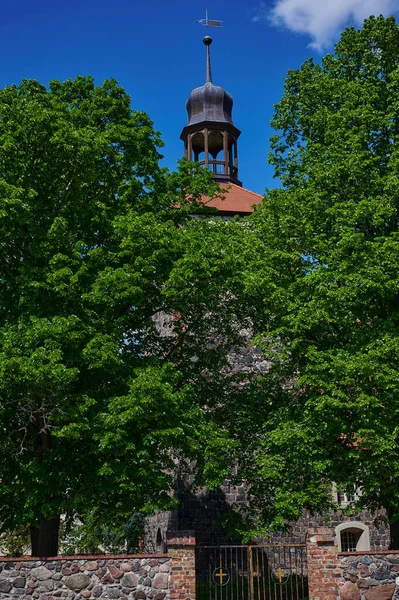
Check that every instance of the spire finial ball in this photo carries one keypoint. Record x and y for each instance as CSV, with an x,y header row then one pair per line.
x,y
207,40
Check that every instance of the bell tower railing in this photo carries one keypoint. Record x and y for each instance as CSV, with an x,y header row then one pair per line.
x,y
220,168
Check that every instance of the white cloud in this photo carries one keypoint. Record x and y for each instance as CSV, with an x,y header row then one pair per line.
x,y
322,20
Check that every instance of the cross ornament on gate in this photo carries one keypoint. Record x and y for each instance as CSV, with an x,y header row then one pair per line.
x,y
222,574
280,575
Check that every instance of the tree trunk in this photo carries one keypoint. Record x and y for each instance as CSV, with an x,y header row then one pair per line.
x,y
44,538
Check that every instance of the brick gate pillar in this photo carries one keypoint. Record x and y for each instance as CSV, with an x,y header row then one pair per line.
x,y
181,550
323,566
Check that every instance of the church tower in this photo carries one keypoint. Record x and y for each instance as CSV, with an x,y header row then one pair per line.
x,y
210,136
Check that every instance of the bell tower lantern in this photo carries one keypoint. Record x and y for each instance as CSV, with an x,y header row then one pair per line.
x,y
210,136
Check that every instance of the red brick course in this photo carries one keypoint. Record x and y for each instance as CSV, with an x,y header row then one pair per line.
x,y
181,551
323,565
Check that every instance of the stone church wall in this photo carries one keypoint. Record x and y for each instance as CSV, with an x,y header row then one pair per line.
x,y
203,511
379,532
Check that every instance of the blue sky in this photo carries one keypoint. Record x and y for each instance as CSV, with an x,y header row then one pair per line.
x,y
154,48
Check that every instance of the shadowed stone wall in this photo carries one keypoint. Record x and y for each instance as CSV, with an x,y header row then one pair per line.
x,y
201,512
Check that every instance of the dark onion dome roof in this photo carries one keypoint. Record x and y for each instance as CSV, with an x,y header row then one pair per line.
x,y
209,102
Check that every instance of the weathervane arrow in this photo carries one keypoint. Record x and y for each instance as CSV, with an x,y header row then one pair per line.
x,y
209,22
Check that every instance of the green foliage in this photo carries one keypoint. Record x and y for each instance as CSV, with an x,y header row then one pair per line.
x,y
313,275
16,543
121,319
324,266
92,406
89,537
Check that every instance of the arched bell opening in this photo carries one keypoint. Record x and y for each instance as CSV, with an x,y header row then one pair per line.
x,y
226,158
215,150
194,146
216,161
198,145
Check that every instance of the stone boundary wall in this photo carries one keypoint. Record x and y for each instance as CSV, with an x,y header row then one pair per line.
x,y
90,577
369,575
84,578
333,575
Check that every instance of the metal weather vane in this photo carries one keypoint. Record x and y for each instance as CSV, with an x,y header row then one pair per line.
x,y
209,22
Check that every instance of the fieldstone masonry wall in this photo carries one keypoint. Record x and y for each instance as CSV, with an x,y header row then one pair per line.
x,y
379,534
77,578
371,575
131,577
156,528
201,511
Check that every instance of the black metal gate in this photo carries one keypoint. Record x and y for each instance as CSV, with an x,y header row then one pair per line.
x,y
264,572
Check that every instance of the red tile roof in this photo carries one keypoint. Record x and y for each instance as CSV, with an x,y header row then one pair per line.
x,y
237,200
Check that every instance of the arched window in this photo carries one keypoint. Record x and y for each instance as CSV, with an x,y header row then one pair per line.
x,y
352,536
159,542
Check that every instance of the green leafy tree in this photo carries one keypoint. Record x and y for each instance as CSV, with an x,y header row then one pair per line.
x,y
323,268
313,276
93,409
